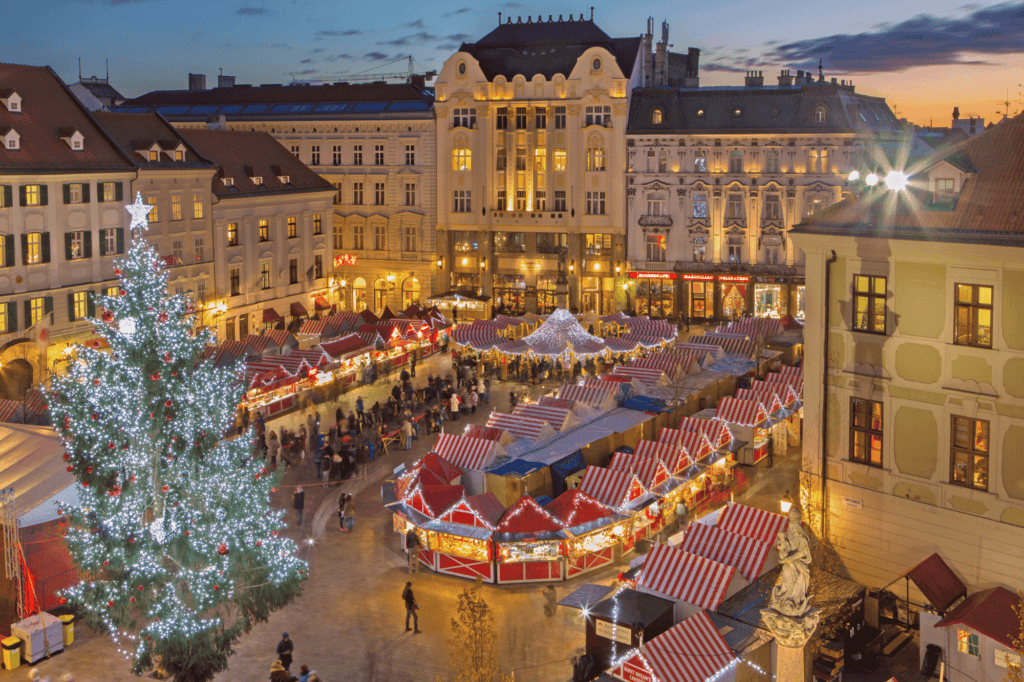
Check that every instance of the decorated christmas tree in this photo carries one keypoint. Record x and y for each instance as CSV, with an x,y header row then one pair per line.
x,y
174,526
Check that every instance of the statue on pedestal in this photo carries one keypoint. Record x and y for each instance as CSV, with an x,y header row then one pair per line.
x,y
789,615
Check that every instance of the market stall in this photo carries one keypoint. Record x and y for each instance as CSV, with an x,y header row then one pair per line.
x,y
750,556
601,399
528,544
425,503
792,408
456,305
694,582
592,530
748,419
717,432
648,376
560,418
671,454
533,429
472,455
780,417
752,522
621,490
349,357
692,651
462,537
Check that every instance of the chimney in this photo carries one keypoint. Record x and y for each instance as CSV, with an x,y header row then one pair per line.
x,y
785,78
808,77
661,57
956,113
648,66
754,79
225,81
692,79
418,80
197,81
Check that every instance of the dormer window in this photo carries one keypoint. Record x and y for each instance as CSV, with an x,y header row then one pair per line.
x,y
179,155
257,180
154,155
284,179
11,101
73,138
656,117
228,182
820,114
11,139
945,190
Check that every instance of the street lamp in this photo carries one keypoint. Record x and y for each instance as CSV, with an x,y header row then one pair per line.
x,y
786,503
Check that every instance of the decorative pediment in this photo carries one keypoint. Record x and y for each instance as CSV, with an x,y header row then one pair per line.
x,y
699,227
818,187
734,229
655,185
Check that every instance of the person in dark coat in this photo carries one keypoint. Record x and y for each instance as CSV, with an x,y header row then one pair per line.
x,y
284,651
299,503
410,608
279,674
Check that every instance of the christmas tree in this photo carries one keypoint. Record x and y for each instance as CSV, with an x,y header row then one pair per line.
x,y
174,526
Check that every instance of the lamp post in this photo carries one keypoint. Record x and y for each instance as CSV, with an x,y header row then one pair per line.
x,y
786,503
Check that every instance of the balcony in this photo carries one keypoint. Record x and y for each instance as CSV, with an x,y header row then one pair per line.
x,y
527,218
656,220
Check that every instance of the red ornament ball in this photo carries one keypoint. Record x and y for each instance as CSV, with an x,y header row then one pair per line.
x,y
216,587
273,489
85,483
186,533
110,604
66,456
95,382
163,317
155,376
175,505
167,357
257,477
222,549
63,600
96,344
95,416
122,292
168,403
107,316
106,563
259,543
169,417
140,588
88,470
131,541
263,470
132,599
131,479
110,446
69,469
117,271
152,415
275,532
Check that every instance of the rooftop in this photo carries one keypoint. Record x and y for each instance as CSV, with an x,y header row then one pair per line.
x,y
137,132
990,612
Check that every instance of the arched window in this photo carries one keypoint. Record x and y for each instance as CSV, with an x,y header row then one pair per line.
x,y
656,117
358,294
380,293
700,162
410,292
462,159
820,114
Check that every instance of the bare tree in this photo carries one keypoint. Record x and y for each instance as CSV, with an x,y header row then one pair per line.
x,y
471,647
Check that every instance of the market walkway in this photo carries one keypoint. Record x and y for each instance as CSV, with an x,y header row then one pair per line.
x,y
351,618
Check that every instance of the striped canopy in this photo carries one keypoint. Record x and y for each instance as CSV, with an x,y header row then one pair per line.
x,y
558,417
466,453
742,412
692,651
766,396
643,325
534,429
694,445
648,468
313,328
669,364
752,522
751,326
651,377
747,555
611,487
730,344
479,335
785,392
686,577
594,396
717,431
672,456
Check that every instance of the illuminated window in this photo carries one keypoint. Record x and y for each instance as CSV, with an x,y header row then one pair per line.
x,y
32,195
318,224
197,205
79,305
154,213
33,248
944,190
462,159
264,230
232,234
179,155
817,161
75,193
656,117
178,251
109,190
656,247
510,242
969,447
175,206
869,304
465,241
293,227
973,315
597,244
595,158
37,309
700,162
560,158
771,161
866,431
265,275
967,643
700,205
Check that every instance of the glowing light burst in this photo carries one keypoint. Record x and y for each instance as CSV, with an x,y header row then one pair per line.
x,y
871,180
854,176
896,180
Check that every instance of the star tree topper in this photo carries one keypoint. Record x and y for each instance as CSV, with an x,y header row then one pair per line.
x,y
140,213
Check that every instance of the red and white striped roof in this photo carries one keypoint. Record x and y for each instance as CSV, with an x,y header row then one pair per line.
x,y
522,427
673,456
648,468
685,577
594,396
730,344
751,326
548,401
480,335
313,327
558,417
785,392
788,371
260,343
662,329
767,396
742,412
717,431
464,452
7,409
345,346
611,487
794,379
747,555
707,353
752,522
694,445
692,651
651,377
669,364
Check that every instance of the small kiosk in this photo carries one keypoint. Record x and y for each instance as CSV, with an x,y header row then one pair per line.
x,y
528,544
748,419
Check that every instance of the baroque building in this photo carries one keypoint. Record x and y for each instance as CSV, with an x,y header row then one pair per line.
x,y
531,123
717,176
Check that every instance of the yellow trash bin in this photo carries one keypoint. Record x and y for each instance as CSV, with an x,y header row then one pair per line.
x,y
12,652
68,624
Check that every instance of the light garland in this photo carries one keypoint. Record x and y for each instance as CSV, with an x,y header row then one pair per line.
x,y
174,523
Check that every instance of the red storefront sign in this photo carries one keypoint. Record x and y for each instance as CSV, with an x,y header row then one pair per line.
x,y
653,275
734,278
698,277
345,259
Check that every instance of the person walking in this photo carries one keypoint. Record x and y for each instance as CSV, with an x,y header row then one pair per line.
x,y
299,503
284,651
550,600
273,449
412,362
411,607
341,512
407,433
350,513
359,410
305,672
412,545
481,390
455,406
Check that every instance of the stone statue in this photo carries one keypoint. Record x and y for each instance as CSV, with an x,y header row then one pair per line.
x,y
789,615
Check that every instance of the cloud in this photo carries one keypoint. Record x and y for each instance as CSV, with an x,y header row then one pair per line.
x,y
335,57
306,72
339,34
415,24
512,5
449,15
459,37
306,61
415,39
924,40
317,50
375,56
449,47
253,11
719,66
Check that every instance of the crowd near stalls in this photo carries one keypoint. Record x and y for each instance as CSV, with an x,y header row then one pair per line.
x,y
617,454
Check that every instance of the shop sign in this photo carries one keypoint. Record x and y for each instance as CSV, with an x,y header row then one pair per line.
x,y
852,502
734,278
346,259
619,633
695,277
653,275
634,673
313,295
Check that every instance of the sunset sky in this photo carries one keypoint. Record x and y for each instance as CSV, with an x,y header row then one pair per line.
x,y
923,57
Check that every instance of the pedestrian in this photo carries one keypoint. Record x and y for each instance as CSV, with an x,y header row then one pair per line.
x,y
359,409
336,461
284,651
412,545
551,600
341,512
273,449
474,398
350,513
771,453
299,503
278,673
407,433
412,362
512,398
411,607
304,673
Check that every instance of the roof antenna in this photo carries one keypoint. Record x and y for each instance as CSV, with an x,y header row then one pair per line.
x,y
499,18
79,68
108,70
821,74
591,12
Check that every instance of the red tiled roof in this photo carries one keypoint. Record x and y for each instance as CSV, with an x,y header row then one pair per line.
x,y
47,106
241,94
937,582
239,153
134,131
990,612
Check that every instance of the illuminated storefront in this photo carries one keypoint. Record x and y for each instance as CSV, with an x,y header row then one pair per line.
x,y
655,293
768,301
510,293
733,293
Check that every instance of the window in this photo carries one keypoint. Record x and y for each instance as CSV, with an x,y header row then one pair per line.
x,y
37,309
967,643
33,248
734,207
31,195
318,224
339,239
662,161
109,241
409,238
378,155
521,118
264,275
501,118
551,242
657,204
76,245
869,304
177,251
410,155
771,161
109,191
595,158
700,162
111,291
520,159
540,118
520,199
540,200
560,158
560,200
293,271
510,242
357,237
969,452
295,150
410,194
464,118
735,253
74,193
264,228
232,234
656,117
559,118
597,244
357,155
154,215
973,315
462,203
817,161
820,114
235,278
736,161
500,159
79,306
175,206
336,155
595,203
379,238
228,182
314,155
771,255
656,248
293,227
357,193
201,290
462,159
700,205
772,207
378,194
698,253
464,241
197,205
866,431
943,190
199,245
598,116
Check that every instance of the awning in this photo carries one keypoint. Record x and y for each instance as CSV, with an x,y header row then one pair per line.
x,y
321,303
937,582
687,577
742,412
747,555
751,522
610,487
585,597
298,310
270,315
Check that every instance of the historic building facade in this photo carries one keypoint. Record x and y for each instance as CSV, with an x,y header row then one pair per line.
x,y
717,176
531,123
914,367
374,143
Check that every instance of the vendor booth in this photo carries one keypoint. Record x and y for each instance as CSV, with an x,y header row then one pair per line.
x,y
692,651
528,544
671,454
748,419
592,530
694,582
601,399
461,305
752,522
462,536
472,455
750,556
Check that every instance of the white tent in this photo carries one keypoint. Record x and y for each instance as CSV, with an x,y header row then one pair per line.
x,y
32,463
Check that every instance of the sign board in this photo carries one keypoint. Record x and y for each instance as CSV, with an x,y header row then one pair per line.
x,y
631,672
619,633
734,278
698,277
852,503
345,259
653,275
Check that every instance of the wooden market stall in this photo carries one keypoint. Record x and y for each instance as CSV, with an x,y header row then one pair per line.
x,y
748,419
529,544
592,530
460,538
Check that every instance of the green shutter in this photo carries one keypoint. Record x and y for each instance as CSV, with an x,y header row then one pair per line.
x,y
22,194
67,193
9,250
12,317
24,249
85,192
67,246
8,195
28,314
71,307
99,192
120,240
47,305
43,192
88,244
46,247
90,303
118,195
